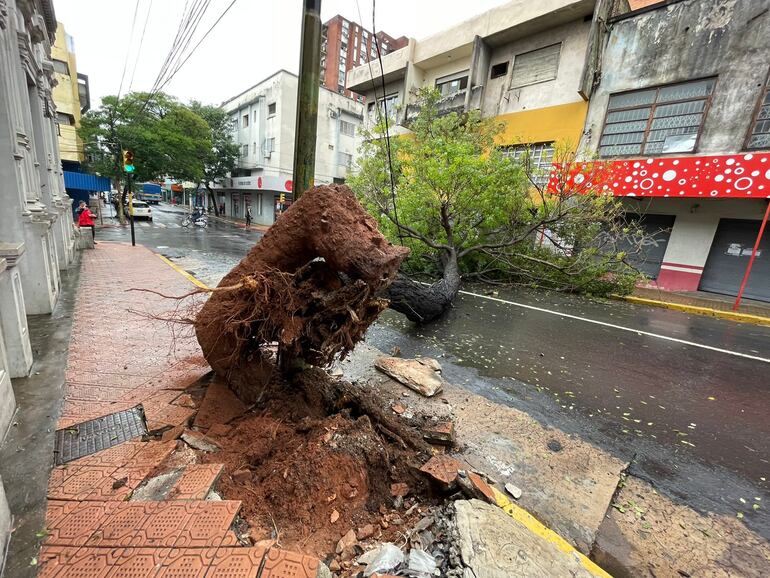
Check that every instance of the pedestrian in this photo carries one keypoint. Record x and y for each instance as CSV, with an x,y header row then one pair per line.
x,y
248,216
86,219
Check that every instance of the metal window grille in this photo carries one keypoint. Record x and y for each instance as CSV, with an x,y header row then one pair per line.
x,y
347,128
536,158
665,119
759,138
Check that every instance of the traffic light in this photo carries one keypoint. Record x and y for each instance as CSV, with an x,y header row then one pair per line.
x,y
128,161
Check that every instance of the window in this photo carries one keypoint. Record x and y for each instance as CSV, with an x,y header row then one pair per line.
x,y
345,159
452,84
245,121
271,109
499,69
64,118
254,148
269,146
341,78
536,66
347,128
364,36
390,102
255,117
61,67
661,120
536,158
759,138
245,150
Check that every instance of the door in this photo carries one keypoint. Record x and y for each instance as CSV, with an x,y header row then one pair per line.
x,y
729,256
646,253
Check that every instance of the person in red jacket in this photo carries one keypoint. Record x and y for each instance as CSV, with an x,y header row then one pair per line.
x,y
86,219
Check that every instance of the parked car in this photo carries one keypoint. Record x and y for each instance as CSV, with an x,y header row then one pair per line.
x,y
142,210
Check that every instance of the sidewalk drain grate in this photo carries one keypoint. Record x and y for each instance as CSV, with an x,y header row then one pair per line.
x,y
98,434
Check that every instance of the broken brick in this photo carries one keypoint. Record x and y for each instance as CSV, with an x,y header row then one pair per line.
x,y
474,486
242,476
442,433
443,469
399,489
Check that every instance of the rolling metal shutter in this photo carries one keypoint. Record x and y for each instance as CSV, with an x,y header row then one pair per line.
x,y
729,255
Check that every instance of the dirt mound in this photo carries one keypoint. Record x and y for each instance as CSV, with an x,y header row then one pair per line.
x,y
310,285
308,478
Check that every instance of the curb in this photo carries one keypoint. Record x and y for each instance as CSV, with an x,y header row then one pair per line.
x,y
535,527
198,283
696,310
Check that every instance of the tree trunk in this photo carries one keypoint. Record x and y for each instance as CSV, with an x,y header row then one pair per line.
x,y
424,303
212,200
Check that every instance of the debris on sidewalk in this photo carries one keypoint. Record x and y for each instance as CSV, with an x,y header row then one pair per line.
x,y
422,375
441,433
443,469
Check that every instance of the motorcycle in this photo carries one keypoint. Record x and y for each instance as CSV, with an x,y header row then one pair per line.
x,y
199,221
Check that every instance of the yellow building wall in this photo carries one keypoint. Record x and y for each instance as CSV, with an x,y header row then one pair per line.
x,y
67,99
562,123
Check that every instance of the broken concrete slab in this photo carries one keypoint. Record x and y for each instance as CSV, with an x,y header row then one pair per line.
x,y
199,441
421,375
514,491
494,545
219,406
569,490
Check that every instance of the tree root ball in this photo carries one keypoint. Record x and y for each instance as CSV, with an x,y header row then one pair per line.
x,y
310,285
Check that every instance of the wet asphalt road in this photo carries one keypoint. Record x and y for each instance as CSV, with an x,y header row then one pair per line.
x,y
685,398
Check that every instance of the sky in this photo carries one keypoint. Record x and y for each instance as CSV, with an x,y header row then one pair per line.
x,y
254,39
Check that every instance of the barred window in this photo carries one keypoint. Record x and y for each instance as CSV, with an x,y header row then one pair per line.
x,y
759,138
666,119
345,159
347,128
536,158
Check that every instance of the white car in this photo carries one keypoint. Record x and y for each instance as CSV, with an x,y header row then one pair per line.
x,y
142,210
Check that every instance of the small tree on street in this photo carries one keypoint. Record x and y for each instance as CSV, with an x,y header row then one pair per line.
x,y
166,137
222,156
466,210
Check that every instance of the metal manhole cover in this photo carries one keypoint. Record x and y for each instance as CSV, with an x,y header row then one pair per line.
x,y
98,434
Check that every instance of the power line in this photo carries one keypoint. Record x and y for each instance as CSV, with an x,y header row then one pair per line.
x,y
128,48
141,42
199,41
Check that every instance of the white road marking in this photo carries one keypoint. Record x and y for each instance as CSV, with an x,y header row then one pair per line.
x,y
620,327
162,225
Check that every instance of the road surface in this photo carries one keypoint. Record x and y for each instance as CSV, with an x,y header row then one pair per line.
x,y
685,398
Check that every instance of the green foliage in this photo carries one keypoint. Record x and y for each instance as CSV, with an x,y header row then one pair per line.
x,y
222,155
167,137
458,197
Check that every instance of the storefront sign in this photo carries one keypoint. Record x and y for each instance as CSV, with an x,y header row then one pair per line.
x,y
722,176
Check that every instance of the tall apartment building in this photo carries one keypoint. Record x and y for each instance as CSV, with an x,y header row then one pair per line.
x,y
345,45
264,119
71,96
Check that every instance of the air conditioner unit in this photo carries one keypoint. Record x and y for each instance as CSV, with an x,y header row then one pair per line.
x,y
333,113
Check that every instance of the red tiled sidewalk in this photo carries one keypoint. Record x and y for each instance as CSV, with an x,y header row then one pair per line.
x,y
120,357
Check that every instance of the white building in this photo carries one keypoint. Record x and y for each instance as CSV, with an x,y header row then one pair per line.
x,y
264,117
36,232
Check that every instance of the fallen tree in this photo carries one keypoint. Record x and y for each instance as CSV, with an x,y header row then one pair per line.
x,y
306,292
468,209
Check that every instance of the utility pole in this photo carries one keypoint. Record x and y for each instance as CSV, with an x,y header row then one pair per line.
x,y
307,98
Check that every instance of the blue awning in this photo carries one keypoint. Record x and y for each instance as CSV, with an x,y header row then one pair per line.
x,y
86,182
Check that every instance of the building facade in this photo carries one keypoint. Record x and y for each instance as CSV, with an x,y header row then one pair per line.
x,y
522,63
681,110
263,119
345,45
36,231
71,96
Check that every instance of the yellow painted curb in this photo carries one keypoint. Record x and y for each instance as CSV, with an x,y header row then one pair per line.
x,y
695,309
184,273
532,524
